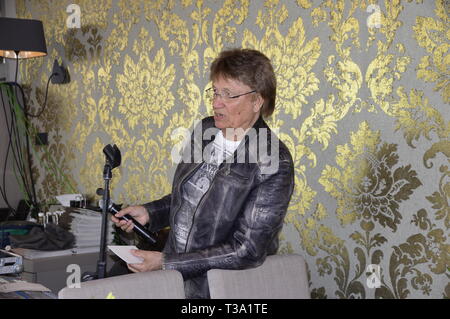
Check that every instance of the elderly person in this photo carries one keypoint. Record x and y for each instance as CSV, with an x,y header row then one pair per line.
x,y
224,212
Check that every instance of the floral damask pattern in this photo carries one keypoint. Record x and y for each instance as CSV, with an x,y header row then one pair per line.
x,y
148,92
292,56
362,104
367,184
432,34
369,187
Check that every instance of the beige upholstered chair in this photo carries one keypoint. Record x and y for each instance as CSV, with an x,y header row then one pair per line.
x,y
159,284
279,277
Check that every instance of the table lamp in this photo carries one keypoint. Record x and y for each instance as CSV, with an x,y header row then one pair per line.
x,y
21,39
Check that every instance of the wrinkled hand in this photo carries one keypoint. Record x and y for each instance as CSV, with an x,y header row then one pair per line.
x,y
139,213
152,260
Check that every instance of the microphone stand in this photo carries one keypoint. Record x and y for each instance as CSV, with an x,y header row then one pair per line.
x,y
113,160
101,264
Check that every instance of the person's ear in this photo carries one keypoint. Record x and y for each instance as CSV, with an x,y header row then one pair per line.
x,y
258,103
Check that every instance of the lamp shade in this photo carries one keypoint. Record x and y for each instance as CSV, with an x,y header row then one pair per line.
x,y
22,38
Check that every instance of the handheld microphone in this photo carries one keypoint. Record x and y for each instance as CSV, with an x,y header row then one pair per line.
x,y
138,228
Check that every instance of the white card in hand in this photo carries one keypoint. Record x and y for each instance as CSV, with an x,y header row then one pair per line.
x,y
124,253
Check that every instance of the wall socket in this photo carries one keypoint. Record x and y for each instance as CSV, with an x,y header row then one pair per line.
x,y
60,75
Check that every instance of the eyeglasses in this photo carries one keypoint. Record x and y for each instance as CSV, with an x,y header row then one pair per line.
x,y
226,96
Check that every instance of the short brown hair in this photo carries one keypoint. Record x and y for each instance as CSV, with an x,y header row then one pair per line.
x,y
250,67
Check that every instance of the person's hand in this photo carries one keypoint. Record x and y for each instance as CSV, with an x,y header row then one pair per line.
x,y
152,260
139,213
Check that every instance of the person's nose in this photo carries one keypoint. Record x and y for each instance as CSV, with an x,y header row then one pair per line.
x,y
218,102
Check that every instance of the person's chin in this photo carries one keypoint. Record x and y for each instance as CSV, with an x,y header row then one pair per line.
x,y
219,122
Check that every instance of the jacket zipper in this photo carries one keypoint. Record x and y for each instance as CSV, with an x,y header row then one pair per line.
x,y
185,177
196,209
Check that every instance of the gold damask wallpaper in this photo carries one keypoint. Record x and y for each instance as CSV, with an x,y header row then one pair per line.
x,y
363,104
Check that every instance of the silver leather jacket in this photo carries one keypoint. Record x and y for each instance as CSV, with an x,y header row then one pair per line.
x,y
238,220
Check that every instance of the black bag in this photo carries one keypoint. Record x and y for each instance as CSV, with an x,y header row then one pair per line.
x,y
52,237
